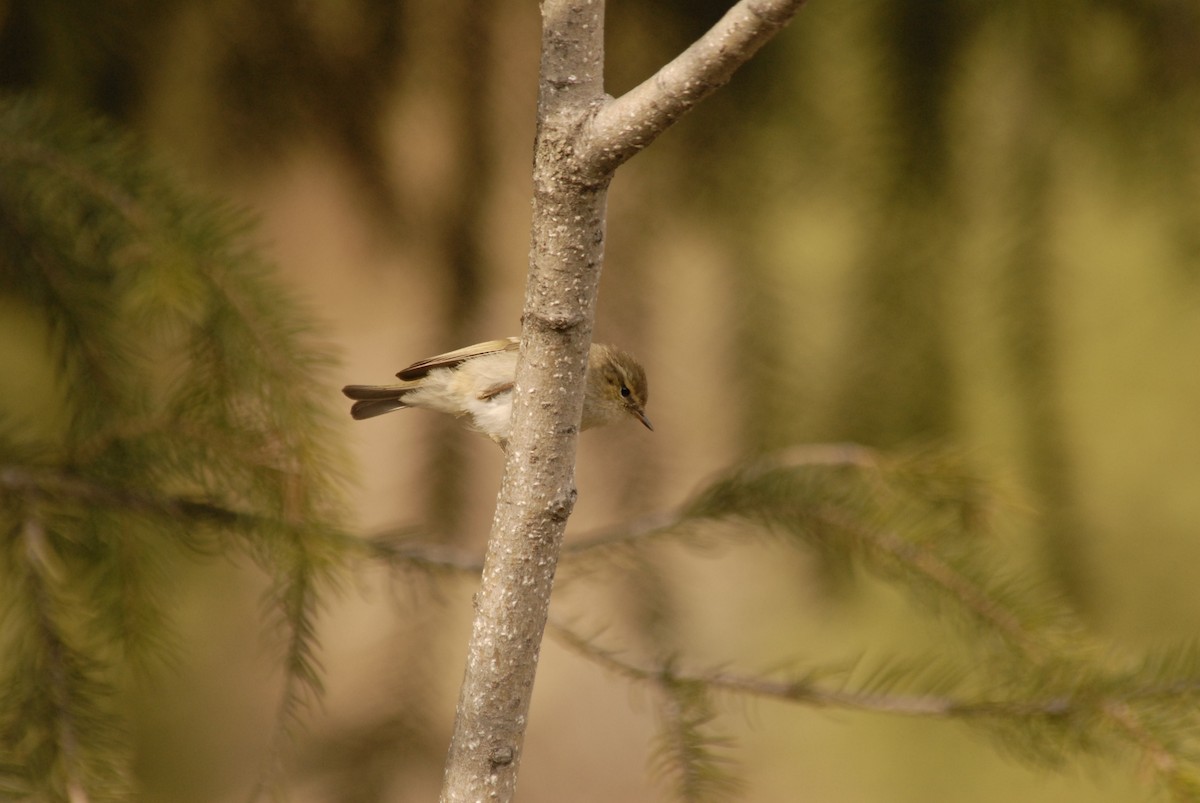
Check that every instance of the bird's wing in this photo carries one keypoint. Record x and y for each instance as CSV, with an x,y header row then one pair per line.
x,y
453,358
495,390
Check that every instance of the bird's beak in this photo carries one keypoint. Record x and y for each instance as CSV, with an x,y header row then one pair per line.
x,y
642,417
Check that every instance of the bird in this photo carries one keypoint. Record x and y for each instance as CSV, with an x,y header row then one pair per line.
x,y
477,382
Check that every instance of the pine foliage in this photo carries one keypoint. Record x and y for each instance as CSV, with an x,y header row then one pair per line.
x,y
1014,663
690,753
182,413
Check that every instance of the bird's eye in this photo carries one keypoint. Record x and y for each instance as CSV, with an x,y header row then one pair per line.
x,y
624,391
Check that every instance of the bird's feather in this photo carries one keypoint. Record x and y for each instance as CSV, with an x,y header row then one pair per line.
x,y
452,358
496,390
372,407
377,392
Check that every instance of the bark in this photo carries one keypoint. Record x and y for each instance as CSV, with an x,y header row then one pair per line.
x,y
583,136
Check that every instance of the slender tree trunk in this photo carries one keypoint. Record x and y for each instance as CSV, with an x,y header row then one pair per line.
x,y
538,491
583,136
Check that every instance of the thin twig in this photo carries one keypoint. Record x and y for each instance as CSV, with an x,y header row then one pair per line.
x,y
42,569
1128,722
810,693
667,522
49,483
392,547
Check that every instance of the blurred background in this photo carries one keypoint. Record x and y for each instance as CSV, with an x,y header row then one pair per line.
x,y
904,223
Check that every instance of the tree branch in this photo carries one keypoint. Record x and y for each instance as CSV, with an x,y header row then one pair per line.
x,y
573,165
629,123
1116,706
56,659
57,484
806,691
538,490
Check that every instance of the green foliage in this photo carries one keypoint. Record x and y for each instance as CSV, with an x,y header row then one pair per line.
x,y
689,753
919,520
1015,664
181,414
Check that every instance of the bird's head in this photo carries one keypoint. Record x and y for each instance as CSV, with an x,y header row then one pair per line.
x,y
616,386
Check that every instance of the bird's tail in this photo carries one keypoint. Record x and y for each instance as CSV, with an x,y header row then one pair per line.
x,y
373,400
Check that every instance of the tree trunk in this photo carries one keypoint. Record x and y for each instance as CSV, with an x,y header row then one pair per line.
x,y
583,136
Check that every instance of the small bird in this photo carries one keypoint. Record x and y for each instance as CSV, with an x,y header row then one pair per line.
x,y
477,382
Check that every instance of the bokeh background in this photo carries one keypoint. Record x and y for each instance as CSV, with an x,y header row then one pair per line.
x,y
904,223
